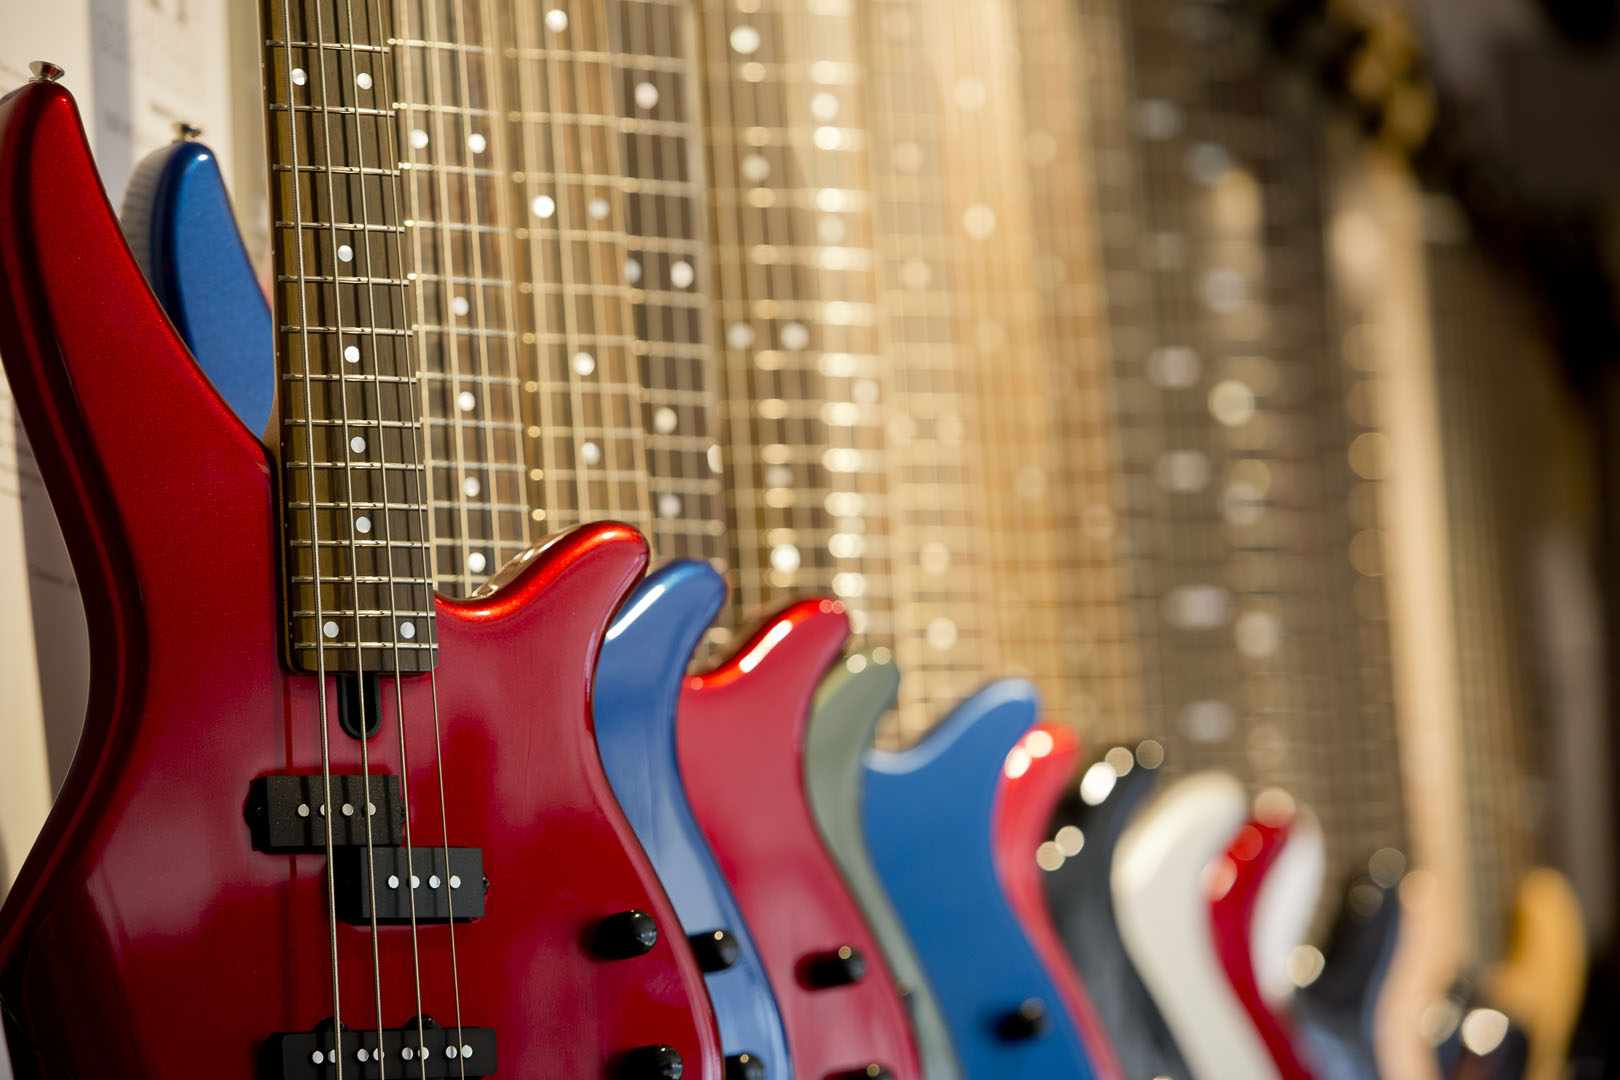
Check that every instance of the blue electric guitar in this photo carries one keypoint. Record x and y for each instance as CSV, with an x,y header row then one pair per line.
x,y
177,216
929,813
638,685
214,299
1336,1013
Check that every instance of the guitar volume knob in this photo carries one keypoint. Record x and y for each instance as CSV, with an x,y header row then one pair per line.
x,y
652,1063
744,1067
1028,1021
873,1071
625,935
840,967
715,951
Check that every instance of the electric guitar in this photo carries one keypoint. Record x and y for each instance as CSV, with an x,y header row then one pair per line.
x,y
1038,770
1007,1016
1085,829
1337,1013
1160,880
1542,981
638,683
237,742
849,703
1240,910
741,739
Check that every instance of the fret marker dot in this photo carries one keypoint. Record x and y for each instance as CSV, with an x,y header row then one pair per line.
x,y
476,562
363,80
471,486
362,524
459,305
664,420
669,505
351,353
646,95
795,336
477,143
681,274
632,271
466,402
745,40
299,77
357,444
598,208
557,20
979,221
824,106
590,453
407,630
755,169
584,363
543,206
345,253
739,335
419,138
330,629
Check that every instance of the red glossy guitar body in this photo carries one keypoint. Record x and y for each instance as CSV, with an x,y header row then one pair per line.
x,y
1039,773
741,732
145,937
1252,855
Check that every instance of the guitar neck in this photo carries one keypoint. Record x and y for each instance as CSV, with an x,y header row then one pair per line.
x,y
654,49
795,313
452,136
354,501
582,406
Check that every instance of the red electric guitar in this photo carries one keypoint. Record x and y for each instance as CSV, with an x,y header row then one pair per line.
x,y
741,736
321,824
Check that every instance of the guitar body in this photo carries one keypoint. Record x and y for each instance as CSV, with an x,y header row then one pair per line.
x,y
145,936
1160,878
741,738
849,703
638,686
929,812
177,216
1080,898
1039,771
1337,1013
1542,982
1255,856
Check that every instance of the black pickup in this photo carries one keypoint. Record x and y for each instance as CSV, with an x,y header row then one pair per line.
x,y
429,1051
287,815
392,884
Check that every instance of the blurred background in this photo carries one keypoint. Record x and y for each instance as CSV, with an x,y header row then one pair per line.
x,y
1241,371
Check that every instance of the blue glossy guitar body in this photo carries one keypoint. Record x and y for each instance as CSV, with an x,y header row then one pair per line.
x,y
929,818
638,684
178,219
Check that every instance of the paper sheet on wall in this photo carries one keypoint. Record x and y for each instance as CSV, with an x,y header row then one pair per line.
x,y
136,67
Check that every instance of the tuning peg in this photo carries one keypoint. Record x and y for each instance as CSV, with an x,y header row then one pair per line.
x,y
625,935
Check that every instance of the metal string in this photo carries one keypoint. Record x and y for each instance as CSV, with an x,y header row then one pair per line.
x,y
314,520
348,464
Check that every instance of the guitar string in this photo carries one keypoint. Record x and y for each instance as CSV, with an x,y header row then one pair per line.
x,y
399,691
314,518
343,395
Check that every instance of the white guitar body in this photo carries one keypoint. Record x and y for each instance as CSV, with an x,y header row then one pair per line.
x,y
1161,894
1285,906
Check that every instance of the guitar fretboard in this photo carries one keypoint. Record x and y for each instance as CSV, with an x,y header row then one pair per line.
x,y
453,140
654,47
354,518
586,446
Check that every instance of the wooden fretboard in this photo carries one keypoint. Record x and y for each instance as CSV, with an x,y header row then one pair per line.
x,y
654,49
452,135
358,587
585,443
795,313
